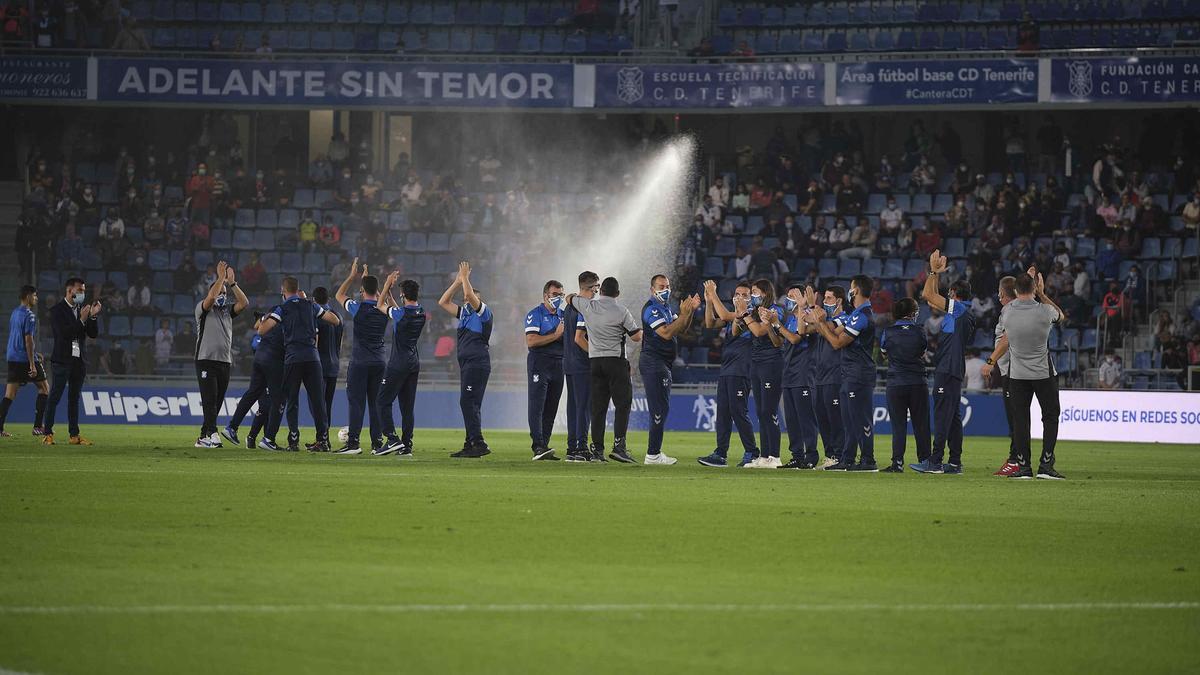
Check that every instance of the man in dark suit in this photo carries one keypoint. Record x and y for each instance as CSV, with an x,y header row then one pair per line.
x,y
72,323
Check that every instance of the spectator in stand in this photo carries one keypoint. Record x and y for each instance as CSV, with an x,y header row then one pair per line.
x,y
184,343
370,190
1113,308
281,188
760,197
741,263
115,360
1134,290
1112,374
1059,283
839,237
1082,283
891,215
131,38
709,212
489,172
338,150
983,307
862,241
983,192
154,230
776,211
307,231
958,218
411,193
112,297
206,280
905,239
1129,240
1164,329
719,193
330,234
320,172
1108,261
923,177
818,240
885,176
762,260
740,201
138,298
253,277
264,45
882,302
183,279
199,193
222,201
14,15
849,197
973,371
1107,214
163,340
1105,173
200,234
743,50
928,240
177,229
1191,212
1014,147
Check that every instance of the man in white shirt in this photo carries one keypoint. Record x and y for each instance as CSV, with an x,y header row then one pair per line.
x,y
890,216
710,212
974,371
1111,372
411,192
719,192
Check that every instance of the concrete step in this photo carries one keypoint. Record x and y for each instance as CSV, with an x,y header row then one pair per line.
x,y
11,192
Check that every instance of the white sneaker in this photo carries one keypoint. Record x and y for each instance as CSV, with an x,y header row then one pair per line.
x,y
772,463
214,440
203,442
660,458
828,462
759,462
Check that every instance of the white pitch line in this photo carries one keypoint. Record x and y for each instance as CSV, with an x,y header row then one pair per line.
x,y
599,608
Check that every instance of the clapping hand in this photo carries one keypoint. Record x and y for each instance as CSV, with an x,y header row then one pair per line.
x,y
222,268
464,271
230,276
937,261
766,315
689,305
740,304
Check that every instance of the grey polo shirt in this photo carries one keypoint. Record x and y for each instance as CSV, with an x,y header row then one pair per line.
x,y
1003,361
608,324
1027,324
214,332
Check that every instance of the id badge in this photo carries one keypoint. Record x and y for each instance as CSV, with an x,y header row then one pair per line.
x,y
75,348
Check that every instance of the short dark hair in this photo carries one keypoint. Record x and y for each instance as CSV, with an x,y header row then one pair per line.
x,y
961,289
839,292
743,283
610,287
291,284
588,278
370,284
904,308
550,284
655,278
1024,284
1007,284
72,281
26,291
320,295
865,284
409,289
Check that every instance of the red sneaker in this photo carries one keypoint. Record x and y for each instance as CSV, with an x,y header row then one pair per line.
x,y
1008,469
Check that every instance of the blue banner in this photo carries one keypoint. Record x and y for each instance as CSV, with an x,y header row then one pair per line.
x,y
1125,80
731,85
37,77
336,84
983,414
937,82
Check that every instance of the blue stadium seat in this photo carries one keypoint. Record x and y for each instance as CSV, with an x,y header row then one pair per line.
x,y
530,42
726,247
164,10
907,40
849,268
466,14
794,15
835,42
893,268
164,38
813,41
343,41
514,14
713,267
536,16
443,13
460,40
372,14
491,14
278,39
913,267
231,12
750,17
388,41
860,41
872,267
930,40
827,268
574,44
275,12
323,13
765,43
416,242
298,40
347,12
396,13
288,218
185,38
299,12
185,11
773,16
118,326
438,242
953,248
754,225
789,42
221,239
727,16
438,40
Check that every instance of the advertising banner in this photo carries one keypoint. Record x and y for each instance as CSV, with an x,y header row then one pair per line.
x,y
1125,80
335,83
726,85
937,82
38,77
1128,416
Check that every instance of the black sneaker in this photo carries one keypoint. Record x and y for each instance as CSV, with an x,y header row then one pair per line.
x,y
894,468
1023,473
320,446
1048,473
268,444
794,463
473,450
543,453
577,457
347,449
863,467
620,453
405,450
597,455
294,443
230,434
840,466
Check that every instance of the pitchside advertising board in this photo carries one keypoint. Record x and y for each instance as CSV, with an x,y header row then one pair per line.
x,y
1141,417
889,83
1119,80
775,85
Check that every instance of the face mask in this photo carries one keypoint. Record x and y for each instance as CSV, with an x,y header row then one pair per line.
x,y
829,309
664,294
259,175
220,302
202,171
755,300
557,302
789,305
77,298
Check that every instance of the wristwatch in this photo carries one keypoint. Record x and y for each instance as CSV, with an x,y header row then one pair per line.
x,y
991,361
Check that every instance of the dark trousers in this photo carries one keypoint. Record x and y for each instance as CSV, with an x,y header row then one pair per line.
x,y
801,418
310,375
68,376
473,381
402,385
610,382
657,380
363,382
858,418
829,418
213,377
1022,392
767,380
330,390
545,389
274,378
256,392
947,418
1008,417
733,409
579,405
904,401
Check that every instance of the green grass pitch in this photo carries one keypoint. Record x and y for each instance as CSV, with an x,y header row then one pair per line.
x,y
144,555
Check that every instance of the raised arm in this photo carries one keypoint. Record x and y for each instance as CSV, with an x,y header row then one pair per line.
x,y
329,317
343,291
464,271
687,309
770,318
446,302
930,293
217,285
836,339
711,319
240,301
1039,292
386,301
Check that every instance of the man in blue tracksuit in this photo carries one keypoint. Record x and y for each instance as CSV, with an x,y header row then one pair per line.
x,y
661,325
766,370
544,330
733,384
368,357
799,410
949,367
827,377
904,345
577,370
329,346
855,339
400,379
266,378
474,357
299,317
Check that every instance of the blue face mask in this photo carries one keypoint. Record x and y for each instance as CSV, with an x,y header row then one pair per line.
x,y
851,295
755,300
220,301
78,298
789,305
830,309
663,295
557,302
